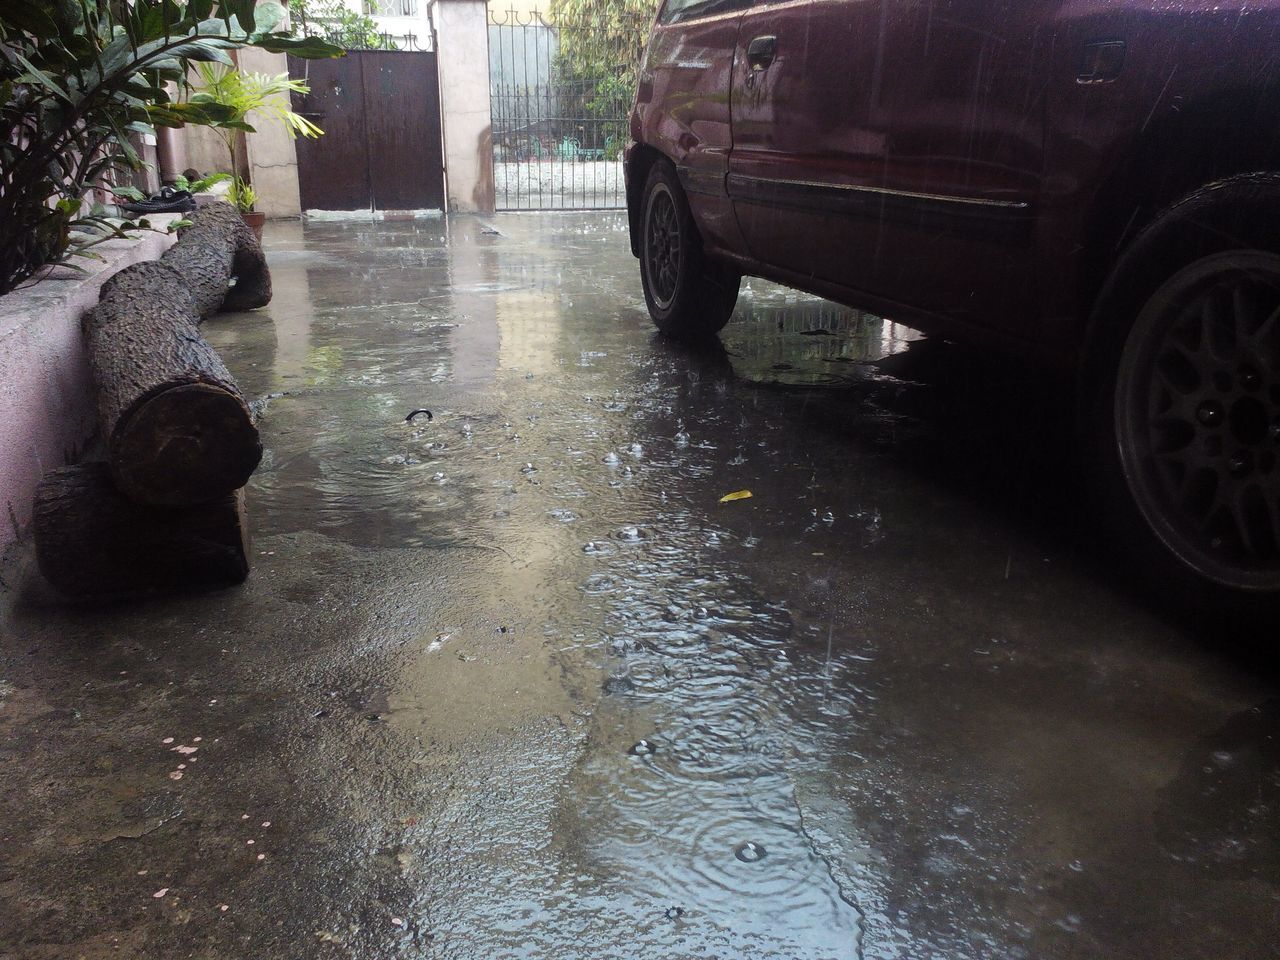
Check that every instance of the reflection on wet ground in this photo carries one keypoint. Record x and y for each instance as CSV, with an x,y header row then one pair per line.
x,y
515,683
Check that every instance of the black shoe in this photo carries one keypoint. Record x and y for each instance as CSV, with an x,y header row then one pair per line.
x,y
168,200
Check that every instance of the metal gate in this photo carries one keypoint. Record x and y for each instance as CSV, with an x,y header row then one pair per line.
x,y
381,148
557,136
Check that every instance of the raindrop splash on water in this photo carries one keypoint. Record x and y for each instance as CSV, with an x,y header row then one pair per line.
x,y
749,852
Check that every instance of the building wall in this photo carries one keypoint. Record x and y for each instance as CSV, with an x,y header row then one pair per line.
x,y
273,161
462,30
408,22
271,157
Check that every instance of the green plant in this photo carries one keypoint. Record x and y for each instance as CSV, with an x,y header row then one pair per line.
x,y
335,22
236,95
610,102
201,184
180,183
78,78
242,196
603,38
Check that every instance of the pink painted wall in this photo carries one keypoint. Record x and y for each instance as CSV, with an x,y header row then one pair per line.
x,y
46,404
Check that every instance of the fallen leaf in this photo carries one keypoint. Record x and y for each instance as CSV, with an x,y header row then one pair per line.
x,y
736,495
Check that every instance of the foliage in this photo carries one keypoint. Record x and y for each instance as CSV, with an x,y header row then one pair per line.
x,y
611,102
242,196
336,22
237,95
601,38
77,79
200,185
180,183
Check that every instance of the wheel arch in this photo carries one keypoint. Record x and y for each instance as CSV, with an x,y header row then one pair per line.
x,y
1238,212
1200,144
640,162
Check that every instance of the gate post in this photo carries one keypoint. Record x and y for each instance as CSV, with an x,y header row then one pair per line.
x,y
462,30
271,155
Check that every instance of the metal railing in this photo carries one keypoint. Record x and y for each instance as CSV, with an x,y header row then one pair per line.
x,y
557,136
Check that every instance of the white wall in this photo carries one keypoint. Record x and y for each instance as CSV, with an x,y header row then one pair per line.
x,y
463,33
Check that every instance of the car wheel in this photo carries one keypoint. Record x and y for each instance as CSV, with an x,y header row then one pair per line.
x,y
688,297
1189,422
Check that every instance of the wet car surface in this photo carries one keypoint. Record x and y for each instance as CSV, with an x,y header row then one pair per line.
x,y
513,682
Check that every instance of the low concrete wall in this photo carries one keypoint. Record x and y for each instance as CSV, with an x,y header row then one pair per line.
x,y
46,399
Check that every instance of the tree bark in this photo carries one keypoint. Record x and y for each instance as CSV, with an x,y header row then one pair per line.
x,y
91,541
178,430
217,247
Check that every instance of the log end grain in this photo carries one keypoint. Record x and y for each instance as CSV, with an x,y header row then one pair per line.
x,y
187,444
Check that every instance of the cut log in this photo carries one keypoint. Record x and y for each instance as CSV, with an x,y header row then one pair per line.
x,y
218,247
91,541
178,430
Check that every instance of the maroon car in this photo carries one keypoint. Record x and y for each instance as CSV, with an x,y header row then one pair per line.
x,y
1093,185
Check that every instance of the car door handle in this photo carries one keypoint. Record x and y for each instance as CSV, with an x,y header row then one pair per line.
x,y
760,52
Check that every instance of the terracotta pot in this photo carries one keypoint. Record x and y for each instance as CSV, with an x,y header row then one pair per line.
x,y
255,221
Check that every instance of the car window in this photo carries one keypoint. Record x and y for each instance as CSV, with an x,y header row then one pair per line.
x,y
675,11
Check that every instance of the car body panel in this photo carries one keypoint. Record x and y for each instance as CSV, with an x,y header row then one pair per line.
x,y
863,158
682,109
1184,63
956,157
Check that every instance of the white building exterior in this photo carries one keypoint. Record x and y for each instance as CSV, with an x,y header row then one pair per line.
x,y
406,22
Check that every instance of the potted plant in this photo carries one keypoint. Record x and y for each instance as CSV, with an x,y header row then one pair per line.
x,y
243,197
236,96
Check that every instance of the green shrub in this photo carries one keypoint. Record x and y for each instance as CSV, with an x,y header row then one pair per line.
x,y
77,79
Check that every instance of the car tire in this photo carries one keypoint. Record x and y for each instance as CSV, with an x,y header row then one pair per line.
x,y
688,296
1182,429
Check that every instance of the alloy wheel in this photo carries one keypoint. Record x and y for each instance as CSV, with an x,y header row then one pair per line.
x,y
1198,417
663,252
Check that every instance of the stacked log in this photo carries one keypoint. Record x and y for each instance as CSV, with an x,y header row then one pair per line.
x,y
93,541
219,245
166,509
177,428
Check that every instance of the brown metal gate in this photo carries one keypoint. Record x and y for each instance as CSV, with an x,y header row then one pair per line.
x,y
381,148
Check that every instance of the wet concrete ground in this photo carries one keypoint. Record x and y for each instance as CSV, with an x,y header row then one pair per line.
x,y
513,682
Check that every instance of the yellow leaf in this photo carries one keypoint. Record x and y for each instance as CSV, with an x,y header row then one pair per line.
x,y
736,495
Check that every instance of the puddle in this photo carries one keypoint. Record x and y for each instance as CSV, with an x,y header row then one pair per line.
x,y
823,722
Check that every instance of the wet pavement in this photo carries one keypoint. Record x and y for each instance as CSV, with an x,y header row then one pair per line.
x,y
513,682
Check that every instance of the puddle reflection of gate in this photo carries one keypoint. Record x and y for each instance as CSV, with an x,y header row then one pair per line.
x,y
557,137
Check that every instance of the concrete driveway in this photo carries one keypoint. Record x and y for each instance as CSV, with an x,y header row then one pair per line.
x,y
513,682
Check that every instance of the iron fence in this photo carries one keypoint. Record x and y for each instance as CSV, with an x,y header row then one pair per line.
x,y
387,40
557,136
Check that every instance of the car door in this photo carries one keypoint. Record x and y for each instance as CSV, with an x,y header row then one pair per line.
x,y
801,73
682,106
910,161
959,104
